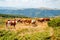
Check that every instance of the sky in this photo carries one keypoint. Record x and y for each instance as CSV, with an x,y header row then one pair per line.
x,y
30,3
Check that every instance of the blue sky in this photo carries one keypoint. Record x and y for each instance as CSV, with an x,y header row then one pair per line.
x,y
30,3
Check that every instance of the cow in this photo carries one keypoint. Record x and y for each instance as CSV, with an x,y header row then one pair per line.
x,y
11,23
46,19
40,20
20,21
27,21
33,22
43,19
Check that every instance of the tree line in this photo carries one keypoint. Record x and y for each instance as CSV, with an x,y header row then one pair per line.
x,y
12,16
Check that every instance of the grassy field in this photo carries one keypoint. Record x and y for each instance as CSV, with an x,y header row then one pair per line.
x,y
28,32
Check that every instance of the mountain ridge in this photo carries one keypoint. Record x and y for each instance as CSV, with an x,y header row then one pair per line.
x,y
32,12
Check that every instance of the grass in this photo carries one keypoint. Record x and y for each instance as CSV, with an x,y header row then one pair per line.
x,y
11,35
27,34
57,33
55,24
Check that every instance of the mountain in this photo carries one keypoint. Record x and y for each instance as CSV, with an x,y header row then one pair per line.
x,y
31,12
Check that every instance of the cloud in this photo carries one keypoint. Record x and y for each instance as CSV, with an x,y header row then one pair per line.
x,y
30,3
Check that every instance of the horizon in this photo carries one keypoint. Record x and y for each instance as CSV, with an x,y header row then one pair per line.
x,y
14,8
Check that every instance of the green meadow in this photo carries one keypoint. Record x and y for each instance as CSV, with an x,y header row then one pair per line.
x,y
26,34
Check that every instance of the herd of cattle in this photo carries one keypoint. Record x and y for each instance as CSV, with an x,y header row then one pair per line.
x,y
29,21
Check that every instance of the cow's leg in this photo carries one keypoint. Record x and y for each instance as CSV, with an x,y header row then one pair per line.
x,y
34,24
14,25
6,25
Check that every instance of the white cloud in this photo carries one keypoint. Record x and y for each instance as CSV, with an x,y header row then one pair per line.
x,y
30,3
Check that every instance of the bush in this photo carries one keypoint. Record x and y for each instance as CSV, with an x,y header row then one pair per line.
x,y
55,22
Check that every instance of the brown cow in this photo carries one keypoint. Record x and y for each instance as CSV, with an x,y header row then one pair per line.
x,y
20,21
11,23
46,19
27,21
40,20
43,19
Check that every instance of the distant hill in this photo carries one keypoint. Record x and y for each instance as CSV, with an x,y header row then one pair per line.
x,y
31,12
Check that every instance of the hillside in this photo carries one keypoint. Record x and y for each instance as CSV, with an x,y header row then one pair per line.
x,y
31,12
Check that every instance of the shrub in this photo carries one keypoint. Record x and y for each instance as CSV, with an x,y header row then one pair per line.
x,y
55,22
